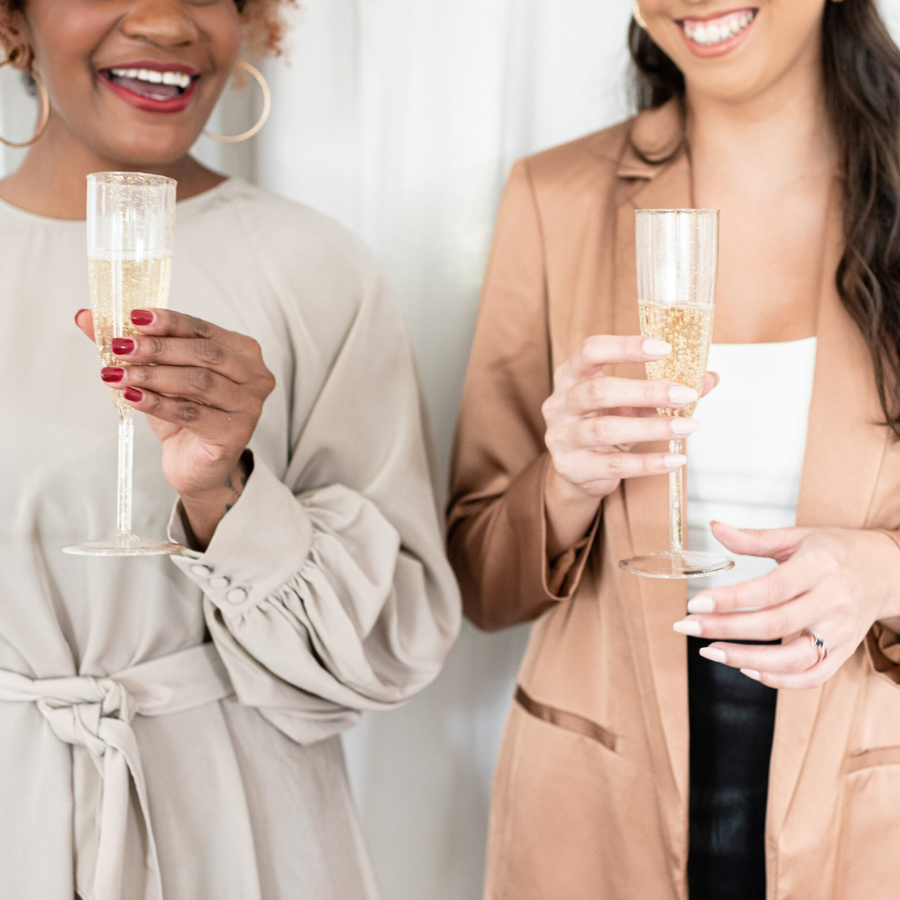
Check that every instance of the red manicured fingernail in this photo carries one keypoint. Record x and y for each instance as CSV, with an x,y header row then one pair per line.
x,y
80,311
133,395
142,316
112,375
122,346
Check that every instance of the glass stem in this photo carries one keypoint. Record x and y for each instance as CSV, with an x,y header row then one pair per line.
x,y
676,501
126,453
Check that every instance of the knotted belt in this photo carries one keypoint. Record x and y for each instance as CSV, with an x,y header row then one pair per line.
x,y
96,713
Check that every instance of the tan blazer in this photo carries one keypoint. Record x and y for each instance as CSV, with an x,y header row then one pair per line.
x,y
591,791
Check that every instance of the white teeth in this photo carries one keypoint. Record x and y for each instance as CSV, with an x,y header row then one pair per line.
x,y
179,79
709,34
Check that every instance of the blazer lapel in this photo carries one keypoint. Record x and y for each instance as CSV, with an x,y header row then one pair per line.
x,y
657,603
844,450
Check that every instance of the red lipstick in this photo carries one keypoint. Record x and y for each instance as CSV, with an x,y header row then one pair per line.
x,y
131,89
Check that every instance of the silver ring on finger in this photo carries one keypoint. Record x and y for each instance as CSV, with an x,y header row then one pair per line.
x,y
818,643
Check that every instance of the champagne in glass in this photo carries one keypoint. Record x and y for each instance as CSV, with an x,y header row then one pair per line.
x,y
131,229
677,255
119,286
689,330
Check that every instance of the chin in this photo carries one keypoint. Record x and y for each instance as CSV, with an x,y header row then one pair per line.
x,y
150,154
728,86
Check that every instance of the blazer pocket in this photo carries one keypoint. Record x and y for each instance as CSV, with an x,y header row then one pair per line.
x,y
877,756
569,721
869,825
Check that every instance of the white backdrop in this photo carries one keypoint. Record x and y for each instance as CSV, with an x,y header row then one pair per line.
x,y
401,119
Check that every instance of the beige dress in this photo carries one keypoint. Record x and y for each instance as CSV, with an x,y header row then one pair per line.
x,y
139,761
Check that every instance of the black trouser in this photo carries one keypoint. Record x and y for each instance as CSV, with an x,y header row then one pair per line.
x,y
732,722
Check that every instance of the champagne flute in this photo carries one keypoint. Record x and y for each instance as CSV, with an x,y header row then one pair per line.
x,y
130,230
677,256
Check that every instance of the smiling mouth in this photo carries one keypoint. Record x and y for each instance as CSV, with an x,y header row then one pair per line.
x,y
151,84
713,32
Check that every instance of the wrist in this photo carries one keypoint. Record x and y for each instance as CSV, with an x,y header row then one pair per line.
x,y
569,512
205,509
232,484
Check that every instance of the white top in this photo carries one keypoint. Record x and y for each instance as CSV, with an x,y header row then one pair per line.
x,y
745,461
325,590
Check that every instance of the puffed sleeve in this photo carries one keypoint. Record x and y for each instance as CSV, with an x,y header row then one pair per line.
x,y
326,588
497,523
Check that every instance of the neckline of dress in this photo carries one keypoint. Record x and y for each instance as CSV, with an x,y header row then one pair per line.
x,y
183,206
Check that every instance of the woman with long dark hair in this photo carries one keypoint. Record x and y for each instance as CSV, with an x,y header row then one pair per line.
x,y
750,748
173,730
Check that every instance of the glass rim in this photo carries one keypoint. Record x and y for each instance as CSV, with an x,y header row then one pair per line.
x,y
683,212
121,177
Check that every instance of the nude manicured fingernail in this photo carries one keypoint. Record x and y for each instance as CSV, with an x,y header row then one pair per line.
x,y
656,348
682,394
675,461
701,604
683,426
80,311
688,626
751,673
719,656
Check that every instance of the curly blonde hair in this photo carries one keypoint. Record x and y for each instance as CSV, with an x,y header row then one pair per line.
x,y
264,24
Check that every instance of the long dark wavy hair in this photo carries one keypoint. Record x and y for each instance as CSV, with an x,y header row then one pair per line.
x,y
862,87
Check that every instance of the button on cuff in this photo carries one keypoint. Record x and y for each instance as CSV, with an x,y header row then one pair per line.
x,y
201,570
220,582
236,595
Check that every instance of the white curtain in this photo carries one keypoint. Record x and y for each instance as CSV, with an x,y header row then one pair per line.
x,y
401,119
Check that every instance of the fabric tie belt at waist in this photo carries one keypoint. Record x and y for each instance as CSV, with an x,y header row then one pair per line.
x,y
96,713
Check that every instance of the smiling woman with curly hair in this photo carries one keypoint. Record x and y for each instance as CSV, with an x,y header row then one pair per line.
x,y
172,732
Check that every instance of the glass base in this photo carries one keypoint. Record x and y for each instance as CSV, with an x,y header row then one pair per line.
x,y
123,544
677,564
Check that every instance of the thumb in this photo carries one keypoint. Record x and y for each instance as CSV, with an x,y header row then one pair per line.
x,y
84,319
779,544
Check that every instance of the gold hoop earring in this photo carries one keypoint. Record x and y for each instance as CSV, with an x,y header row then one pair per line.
x,y
267,108
14,56
638,15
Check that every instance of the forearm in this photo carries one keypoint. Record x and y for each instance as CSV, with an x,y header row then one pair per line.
x,y
570,513
499,552
202,514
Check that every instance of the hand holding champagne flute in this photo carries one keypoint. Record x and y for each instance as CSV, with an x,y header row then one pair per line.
x,y
594,419
201,386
